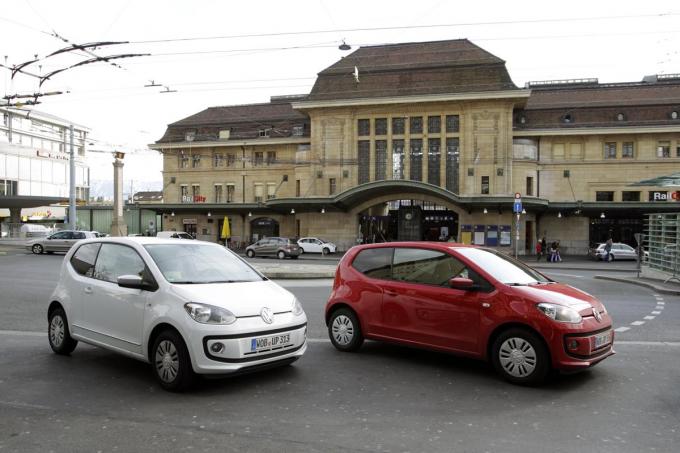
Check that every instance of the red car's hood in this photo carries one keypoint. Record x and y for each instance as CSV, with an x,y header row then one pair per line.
x,y
561,294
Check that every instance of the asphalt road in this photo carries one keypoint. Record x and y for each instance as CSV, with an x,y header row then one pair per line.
x,y
384,398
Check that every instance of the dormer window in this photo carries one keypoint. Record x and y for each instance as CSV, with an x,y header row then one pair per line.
x,y
265,132
567,118
190,136
674,115
620,117
298,130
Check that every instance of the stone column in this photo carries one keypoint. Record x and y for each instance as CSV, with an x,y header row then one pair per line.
x,y
118,226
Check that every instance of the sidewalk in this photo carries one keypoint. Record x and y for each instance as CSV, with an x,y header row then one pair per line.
x,y
582,263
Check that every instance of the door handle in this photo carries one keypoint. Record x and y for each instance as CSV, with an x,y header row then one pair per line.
x,y
88,290
391,293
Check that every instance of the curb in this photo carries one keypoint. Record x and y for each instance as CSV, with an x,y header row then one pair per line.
x,y
658,289
297,275
573,268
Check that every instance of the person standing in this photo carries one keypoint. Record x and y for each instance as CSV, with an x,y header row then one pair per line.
x,y
539,250
608,250
544,246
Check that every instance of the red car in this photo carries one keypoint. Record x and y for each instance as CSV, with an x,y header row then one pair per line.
x,y
470,301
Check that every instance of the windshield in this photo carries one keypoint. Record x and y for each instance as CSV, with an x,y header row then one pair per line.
x,y
502,267
191,263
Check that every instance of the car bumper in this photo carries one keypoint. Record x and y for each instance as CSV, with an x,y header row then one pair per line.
x,y
238,353
576,349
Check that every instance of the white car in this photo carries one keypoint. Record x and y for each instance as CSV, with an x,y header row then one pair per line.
x,y
187,307
316,245
174,235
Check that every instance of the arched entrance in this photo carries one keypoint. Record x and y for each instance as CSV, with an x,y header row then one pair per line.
x,y
263,227
407,220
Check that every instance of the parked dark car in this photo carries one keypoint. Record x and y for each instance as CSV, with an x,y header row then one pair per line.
x,y
274,246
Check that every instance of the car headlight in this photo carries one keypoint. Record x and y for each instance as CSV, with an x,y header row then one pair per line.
x,y
209,314
297,307
559,313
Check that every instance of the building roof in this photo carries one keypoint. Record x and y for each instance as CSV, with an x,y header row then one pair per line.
x,y
154,195
647,103
419,68
243,121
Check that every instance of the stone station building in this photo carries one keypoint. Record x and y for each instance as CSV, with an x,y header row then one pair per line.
x,y
427,141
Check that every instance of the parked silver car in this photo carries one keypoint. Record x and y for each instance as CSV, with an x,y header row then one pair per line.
x,y
274,246
619,251
60,241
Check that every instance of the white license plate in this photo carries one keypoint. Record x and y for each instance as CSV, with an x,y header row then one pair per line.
x,y
269,343
603,339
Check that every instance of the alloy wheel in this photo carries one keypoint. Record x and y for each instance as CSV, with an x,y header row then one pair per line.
x,y
57,331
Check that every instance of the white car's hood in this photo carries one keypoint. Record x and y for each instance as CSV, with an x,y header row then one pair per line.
x,y
242,299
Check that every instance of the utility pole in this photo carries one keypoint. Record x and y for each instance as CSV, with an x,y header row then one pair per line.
x,y
72,184
118,226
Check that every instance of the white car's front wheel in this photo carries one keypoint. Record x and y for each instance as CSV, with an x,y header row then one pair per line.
x,y
171,362
37,249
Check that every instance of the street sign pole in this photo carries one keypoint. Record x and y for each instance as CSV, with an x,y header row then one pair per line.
x,y
517,209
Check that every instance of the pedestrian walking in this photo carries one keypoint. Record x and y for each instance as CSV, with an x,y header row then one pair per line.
x,y
539,250
553,250
558,258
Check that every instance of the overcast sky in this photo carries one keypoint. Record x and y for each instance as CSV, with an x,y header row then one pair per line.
x,y
262,48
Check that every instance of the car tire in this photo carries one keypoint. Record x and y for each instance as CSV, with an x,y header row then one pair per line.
x,y
250,254
37,249
171,362
325,251
520,357
58,334
344,330
302,250
281,255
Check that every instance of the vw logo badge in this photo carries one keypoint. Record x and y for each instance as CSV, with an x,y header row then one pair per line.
x,y
267,315
598,316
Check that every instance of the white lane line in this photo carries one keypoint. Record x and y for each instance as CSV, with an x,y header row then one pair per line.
x,y
647,343
659,307
649,317
656,312
621,329
656,295
637,323
661,303
19,333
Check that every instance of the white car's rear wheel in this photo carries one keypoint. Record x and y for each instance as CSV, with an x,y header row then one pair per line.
x,y
37,249
58,334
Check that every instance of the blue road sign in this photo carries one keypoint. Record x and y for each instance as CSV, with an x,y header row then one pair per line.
x,y
517,207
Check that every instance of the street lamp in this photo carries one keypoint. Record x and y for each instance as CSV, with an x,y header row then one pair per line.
x,y
172,214
602,215
209,214
323,210
485,211
559,215
292,211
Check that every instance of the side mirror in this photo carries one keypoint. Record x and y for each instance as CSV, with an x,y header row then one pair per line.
x,y
465,284
131,281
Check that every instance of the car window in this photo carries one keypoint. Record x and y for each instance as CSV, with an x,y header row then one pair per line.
x,y
196,263
502,267
78,235
115,260
60,235
428,267
374,263
83,260
627,247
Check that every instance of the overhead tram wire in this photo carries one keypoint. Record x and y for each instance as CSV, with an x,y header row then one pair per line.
x,y
409,27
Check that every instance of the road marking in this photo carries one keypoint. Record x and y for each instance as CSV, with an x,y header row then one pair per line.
x,y
649,317
318,340
656,312
674,344
661,303
621,329
637,323
659,307
19,333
